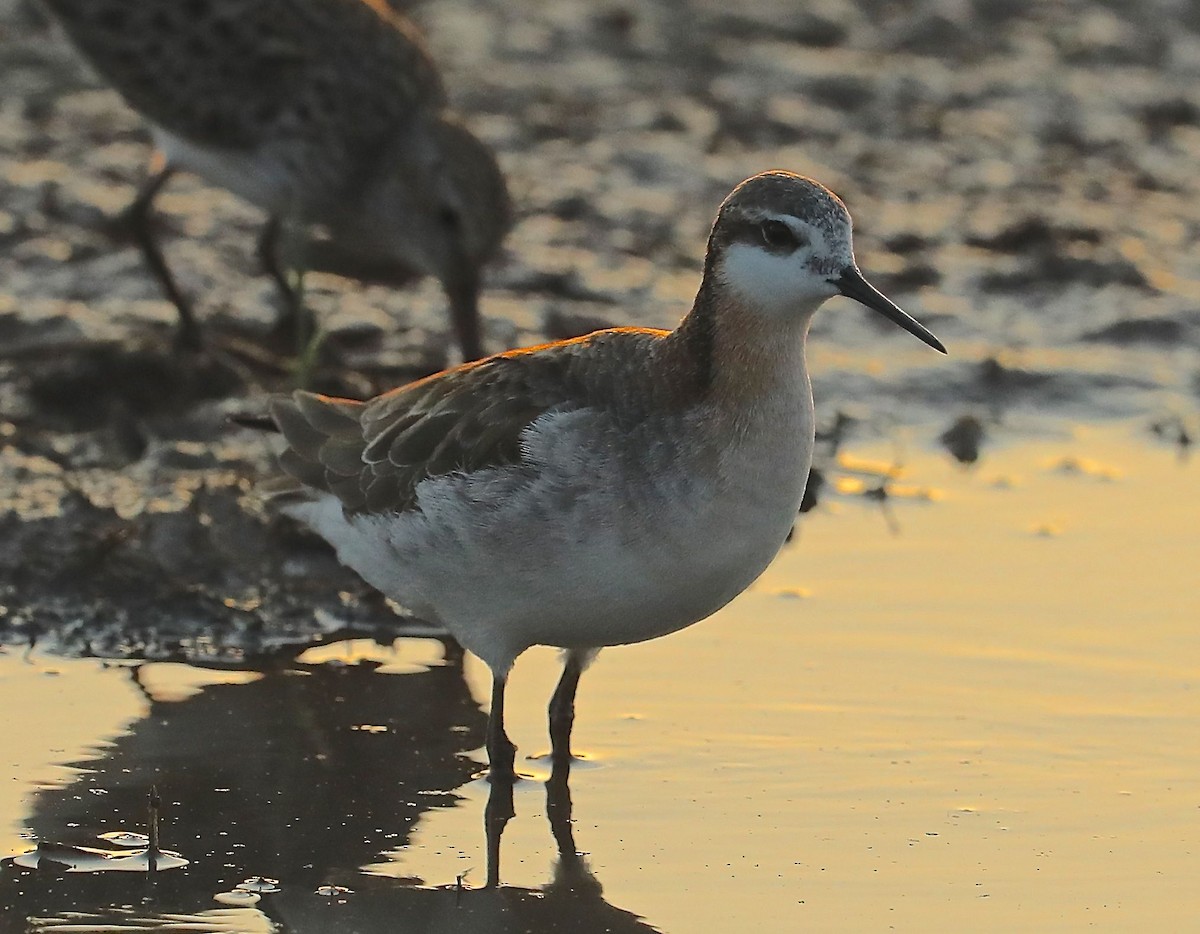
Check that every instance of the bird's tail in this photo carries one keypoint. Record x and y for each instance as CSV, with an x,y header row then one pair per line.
x,y
323,450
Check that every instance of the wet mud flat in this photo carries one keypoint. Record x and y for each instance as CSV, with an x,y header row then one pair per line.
x,y
1023,177
130,525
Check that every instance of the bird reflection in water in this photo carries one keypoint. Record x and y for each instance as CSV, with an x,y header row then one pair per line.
x,y
277,777
571,871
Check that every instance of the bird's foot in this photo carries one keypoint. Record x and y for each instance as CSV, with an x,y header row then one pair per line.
x,y
502,758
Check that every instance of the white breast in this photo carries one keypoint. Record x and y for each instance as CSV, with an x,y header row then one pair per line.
x,y
255,176
604,537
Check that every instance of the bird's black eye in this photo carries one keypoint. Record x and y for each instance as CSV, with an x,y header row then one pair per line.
x,y
778,236
449,217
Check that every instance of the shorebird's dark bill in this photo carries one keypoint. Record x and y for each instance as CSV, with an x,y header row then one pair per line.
x,y
852,284
462,288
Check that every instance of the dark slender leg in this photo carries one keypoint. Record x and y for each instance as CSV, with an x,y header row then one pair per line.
x,y
495,817
572,872
452,650
268,255
502,754
137,219
562,708
295,320
558,809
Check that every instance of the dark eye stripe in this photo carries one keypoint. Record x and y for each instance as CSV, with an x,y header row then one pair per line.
x,y
778,236
770,234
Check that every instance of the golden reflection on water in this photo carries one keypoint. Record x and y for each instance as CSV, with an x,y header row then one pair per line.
x,y
404,656
57,711
965,722
942,717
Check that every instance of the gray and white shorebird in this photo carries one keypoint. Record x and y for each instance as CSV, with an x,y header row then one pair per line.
x,y
598,491
325,113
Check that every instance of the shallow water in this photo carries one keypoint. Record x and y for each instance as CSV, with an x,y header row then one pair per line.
x,y
972,707
968,704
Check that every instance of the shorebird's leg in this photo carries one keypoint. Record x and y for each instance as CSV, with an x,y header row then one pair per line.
x,y
496,816
558,808
502,754
295,320
136,218
572,871
562,705
452,650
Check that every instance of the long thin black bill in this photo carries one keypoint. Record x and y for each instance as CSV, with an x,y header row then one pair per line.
x,y
852,284
462,289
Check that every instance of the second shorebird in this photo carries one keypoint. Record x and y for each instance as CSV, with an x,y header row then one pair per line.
x,y
321,112
598,491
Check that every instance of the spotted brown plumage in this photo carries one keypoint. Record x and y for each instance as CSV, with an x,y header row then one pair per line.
x,y
240,73
325,113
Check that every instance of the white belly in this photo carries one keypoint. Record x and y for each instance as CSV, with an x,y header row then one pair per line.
x,y
589,551
254,176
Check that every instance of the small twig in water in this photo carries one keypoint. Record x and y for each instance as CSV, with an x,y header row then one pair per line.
x,y
152,851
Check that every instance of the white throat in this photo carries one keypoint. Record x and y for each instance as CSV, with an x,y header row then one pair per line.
x,y
775,285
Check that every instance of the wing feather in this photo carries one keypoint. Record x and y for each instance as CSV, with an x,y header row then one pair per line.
x,y
342,456
373,455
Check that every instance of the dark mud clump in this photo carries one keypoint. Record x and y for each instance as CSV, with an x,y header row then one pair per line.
x,y
129,525
202,575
